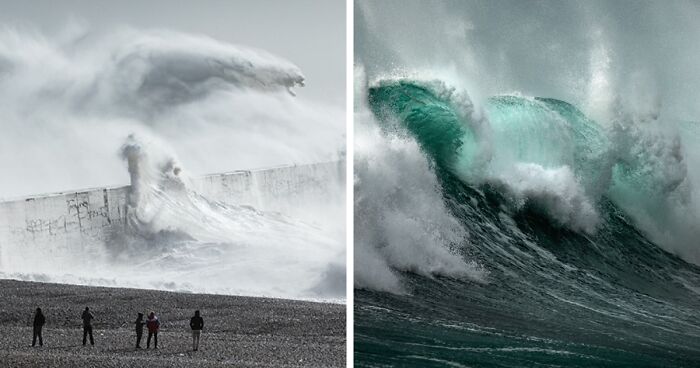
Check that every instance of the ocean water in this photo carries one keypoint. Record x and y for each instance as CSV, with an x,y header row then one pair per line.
x,y
549,274
506,216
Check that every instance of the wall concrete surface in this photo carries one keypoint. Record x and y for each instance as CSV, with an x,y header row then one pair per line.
x,y
77,219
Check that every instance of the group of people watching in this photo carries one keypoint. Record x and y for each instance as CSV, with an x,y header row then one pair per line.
x,y
152,324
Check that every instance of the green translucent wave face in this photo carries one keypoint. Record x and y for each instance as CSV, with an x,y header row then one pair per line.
x,y
551,133
440,129
544,131
643,172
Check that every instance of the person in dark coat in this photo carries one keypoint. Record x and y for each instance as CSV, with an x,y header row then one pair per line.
x,y
153,325
87,325
139,329
39,321
196,324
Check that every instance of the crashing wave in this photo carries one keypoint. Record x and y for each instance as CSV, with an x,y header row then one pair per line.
x,y
221,247
84,91
543,155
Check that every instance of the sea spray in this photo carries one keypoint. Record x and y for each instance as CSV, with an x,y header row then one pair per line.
x,y
401,221
69,99
68,102
162,232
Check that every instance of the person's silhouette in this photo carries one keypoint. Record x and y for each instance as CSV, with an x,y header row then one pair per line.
x,y
139,329
39,321
87,325
196,324
153,325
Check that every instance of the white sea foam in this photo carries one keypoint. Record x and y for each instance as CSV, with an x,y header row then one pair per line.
x,y
178,239
401,221
556,193
68,103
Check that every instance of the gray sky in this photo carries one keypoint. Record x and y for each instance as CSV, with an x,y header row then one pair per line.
x,y
644,50
309,33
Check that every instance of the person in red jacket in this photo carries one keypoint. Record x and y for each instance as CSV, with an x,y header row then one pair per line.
x,y
153,325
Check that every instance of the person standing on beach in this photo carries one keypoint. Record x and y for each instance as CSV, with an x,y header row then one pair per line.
x,y
39,321
153,325
139,330
196,324
87,325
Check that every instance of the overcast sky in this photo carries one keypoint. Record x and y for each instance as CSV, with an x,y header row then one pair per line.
x,y
644,52
310,33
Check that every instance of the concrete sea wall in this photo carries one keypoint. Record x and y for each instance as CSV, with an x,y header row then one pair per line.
x,y
75,219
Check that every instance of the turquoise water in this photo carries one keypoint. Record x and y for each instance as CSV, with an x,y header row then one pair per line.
x,y
553,296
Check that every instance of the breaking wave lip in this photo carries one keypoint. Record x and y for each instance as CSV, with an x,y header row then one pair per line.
x,y
165,73
131,68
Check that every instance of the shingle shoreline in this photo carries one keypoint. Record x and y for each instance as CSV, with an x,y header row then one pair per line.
x,y
239,331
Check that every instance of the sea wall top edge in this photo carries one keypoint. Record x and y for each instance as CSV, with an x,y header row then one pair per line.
x,y
118,187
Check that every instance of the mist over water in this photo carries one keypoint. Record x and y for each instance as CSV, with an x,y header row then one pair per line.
x,y
155,109
70,99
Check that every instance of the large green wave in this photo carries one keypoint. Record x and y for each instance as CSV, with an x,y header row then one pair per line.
x,y
586,298
544,131
641,170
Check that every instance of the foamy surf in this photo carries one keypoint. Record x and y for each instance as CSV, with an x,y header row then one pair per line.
x,y
172,237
